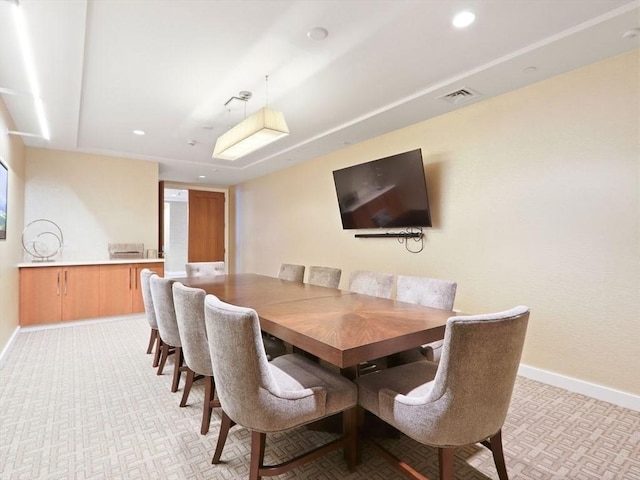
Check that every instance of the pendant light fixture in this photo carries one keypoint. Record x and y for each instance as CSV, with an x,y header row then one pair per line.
x,y
254,132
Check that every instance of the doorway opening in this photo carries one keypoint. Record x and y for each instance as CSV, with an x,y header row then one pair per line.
x,y
193,227
176,231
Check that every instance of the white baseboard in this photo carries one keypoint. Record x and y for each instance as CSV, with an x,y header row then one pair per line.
x,y
599,392
9,344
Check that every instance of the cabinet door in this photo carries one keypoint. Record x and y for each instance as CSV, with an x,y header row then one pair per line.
x,y
138,304
80,292
40,295
116,289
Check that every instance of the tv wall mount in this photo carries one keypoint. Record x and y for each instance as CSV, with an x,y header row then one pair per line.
x,y
414,233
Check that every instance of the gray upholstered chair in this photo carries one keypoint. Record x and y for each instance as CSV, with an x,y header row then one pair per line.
x,y
324,276
371,283
460,401
189,306
150,314
377,285
204,269
268,397
430,292
292,273
162,296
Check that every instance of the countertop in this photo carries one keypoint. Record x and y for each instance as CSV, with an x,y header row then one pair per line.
x,y
70,263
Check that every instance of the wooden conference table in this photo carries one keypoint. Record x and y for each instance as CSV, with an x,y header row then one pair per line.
x,y
340,327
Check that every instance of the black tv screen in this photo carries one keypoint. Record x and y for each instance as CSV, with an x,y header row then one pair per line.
x,y
390,192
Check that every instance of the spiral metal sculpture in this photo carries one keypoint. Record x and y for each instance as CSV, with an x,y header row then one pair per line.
x,y
42,239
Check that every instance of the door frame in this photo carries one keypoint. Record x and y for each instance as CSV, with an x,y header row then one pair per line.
x,y
194,186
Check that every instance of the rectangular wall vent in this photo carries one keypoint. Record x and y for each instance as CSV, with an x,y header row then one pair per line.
x,y
459,96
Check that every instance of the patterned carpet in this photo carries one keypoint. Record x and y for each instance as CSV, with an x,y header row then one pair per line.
x,y
84,403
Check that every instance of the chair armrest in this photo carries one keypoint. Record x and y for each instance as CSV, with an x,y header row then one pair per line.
x,y
433,350
301,394
388,397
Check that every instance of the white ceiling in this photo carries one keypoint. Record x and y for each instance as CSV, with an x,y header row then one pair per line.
x,y
107,67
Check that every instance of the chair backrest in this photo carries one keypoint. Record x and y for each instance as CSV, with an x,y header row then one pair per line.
x,y
189,307
240,366
204,269
430,292
474,381
371,283
149,311
165,312
293,273
324,276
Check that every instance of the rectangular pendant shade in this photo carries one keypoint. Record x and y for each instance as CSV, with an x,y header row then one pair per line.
x,y
254,132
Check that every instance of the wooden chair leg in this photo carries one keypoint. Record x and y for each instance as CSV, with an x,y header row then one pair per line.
x,y
152,340
225,426
258,442
164,353
350,432
498,455
156,356
177,369
445,460
209,403
187,387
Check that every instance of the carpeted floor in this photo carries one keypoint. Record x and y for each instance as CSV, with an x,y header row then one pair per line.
x,y
83,402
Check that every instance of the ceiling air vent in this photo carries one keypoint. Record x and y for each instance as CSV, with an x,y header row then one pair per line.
x,y
459,96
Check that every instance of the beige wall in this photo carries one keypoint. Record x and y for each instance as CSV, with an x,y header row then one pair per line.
x,y
535,201
12,154
94,199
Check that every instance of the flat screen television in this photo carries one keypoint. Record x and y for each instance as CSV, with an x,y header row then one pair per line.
x,y
390,192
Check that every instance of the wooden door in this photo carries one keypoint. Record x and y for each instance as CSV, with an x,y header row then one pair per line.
x,y
40,295
80,292
206,226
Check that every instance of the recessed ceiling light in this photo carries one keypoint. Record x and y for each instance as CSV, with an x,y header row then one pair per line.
x,y
633,33
530,70
138,132
318,33
463,19
202,176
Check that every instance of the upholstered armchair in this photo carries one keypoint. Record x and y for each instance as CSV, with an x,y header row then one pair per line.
x,y
460,401
371,283
150,315
292,273
204,269
268,397
324,276
429,292
162,295
189,307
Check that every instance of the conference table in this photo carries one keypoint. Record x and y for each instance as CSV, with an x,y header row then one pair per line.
x,y
340,327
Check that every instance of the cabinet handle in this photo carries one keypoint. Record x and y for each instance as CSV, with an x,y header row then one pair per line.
x,y
129,278
65,281
58,285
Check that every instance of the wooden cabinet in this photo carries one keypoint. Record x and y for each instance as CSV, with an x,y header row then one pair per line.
x,y
138,304
120,291
50,294
55,294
